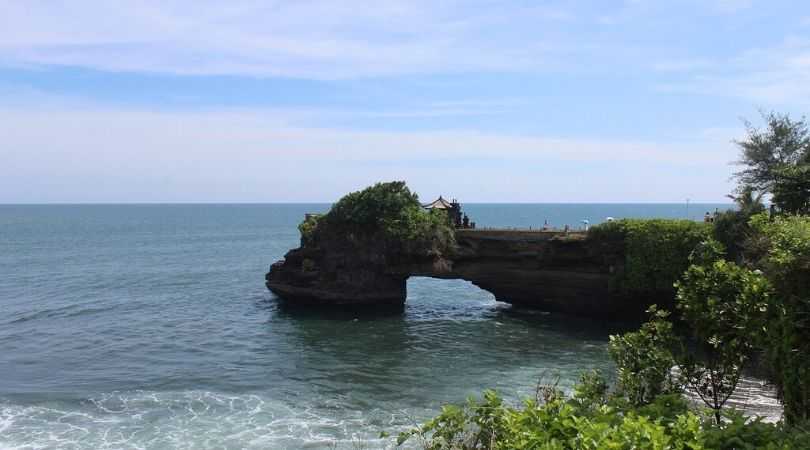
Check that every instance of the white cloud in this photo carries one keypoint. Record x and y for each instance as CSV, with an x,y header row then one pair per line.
x,y
322,39
732,6
105,155
775,76
682,65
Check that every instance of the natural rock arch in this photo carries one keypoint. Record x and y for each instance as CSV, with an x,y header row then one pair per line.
x,y
551,271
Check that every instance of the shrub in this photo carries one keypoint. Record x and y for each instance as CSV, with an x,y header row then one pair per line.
x,y
565,424
387,210
725,306
307,229
656,250
489,424
731,227
786,263
644,359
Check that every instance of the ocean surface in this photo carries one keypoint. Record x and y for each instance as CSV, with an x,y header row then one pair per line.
x,y
149,327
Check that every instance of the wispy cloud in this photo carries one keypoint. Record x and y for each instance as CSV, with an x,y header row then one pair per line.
x,y
96,155
333,39
776,76
320,39
731,6
683,65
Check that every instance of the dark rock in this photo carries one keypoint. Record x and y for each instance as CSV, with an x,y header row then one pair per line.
x,y
553,271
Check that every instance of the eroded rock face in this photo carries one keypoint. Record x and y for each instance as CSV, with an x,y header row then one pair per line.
x,y
551,271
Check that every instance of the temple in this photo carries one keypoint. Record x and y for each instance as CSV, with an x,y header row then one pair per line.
x,y
453,209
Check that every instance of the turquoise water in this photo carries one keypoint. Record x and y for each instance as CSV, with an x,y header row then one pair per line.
x,y
149,326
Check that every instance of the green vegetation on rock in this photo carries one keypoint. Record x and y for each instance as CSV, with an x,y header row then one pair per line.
x,y
385,210
656,250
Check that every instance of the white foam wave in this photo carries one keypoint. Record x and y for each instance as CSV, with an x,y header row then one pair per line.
x,y
195,419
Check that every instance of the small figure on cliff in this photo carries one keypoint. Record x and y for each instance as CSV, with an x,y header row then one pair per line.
x,y
545,225
465,221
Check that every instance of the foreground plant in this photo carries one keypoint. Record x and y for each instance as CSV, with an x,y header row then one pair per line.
x,y
726,308
644,359
595,424
786,263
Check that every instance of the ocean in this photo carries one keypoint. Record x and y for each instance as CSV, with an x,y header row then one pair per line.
x,y
149,327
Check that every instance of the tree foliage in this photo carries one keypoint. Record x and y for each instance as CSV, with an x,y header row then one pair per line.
x,y
731,227
776,160
725,307
656,250
786,263
791,190
644,359
388,210
601,423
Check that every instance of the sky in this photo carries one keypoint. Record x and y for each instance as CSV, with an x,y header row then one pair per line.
x,y
306,100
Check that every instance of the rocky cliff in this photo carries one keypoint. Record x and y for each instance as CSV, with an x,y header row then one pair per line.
x,y
363,251
551,271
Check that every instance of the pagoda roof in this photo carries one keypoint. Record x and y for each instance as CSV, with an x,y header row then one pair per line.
x,y
439,203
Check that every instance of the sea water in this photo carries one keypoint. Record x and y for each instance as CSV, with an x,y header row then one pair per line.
x,y
149,326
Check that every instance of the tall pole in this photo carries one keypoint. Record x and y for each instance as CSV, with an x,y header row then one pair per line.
x,y
687,209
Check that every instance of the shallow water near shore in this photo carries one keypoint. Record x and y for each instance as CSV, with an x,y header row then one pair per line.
x,y
149,326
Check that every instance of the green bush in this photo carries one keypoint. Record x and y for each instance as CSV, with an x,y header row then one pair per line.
x,y
644,359
560,424
731,227
786,263
725,306
563,424
732,230
307,229
656,250
388,210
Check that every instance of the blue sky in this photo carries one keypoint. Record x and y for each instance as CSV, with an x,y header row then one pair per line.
x,y
559,101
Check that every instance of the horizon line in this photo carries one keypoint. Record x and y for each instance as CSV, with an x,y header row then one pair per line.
x,y
156,203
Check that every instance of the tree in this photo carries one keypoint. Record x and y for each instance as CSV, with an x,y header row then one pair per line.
x,y
731,227
388,213
776,161
791,190
725,306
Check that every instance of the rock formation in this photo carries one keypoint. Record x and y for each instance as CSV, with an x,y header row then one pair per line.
x,y
551,271
363,251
